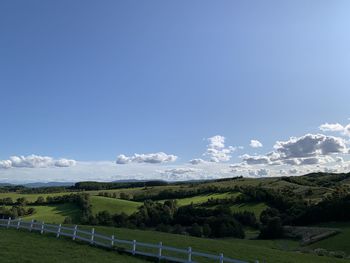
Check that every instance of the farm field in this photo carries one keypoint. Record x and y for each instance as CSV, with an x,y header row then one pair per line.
x,y
55,213
202,198
256,208
22,246
112,205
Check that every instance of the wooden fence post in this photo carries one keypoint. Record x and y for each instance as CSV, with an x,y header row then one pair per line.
x,y
42,227
75,232
59,230
189,254
19,223
92,236
8,222
112,241
31,225
133,247
160,250
221,258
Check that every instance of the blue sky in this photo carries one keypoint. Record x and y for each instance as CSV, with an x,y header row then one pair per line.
x,y
87,81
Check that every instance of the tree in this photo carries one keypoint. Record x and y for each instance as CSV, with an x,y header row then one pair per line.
x,y
40,200
22,201
272,229
68,220
195,230
206,230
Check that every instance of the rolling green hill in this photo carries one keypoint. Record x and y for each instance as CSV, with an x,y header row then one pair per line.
x,y
112,205
55,213
256,208
202,198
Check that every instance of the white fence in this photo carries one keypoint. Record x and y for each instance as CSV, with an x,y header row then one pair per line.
x,y
133,247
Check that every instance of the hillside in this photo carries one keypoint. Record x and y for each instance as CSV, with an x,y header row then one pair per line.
x,y
248,214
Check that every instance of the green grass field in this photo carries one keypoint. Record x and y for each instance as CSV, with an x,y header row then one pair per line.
x,y
23,246
203,198
338,242
112,205
268,251
256,208
55,213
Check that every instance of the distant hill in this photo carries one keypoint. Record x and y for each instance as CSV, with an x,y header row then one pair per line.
x,y
49,184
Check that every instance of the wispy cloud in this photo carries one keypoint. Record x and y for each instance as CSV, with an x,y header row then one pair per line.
x,y
159,157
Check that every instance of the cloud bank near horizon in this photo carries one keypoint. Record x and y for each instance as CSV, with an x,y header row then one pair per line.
x,y
35,161
312,152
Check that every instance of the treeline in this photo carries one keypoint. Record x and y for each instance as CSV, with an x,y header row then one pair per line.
x,y
60,199
11,188
192,220
44,190
333,208
115,185
180,193
16,211
115,195
287,208
318,179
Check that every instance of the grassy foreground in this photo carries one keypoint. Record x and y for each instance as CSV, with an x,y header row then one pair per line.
x,y
22,246
264,251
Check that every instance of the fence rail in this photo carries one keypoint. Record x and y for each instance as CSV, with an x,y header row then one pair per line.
x,y
158,251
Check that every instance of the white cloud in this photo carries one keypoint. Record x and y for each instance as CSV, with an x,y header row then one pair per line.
x,y
65,163
309,149
336,127
180,170
339,159
196,161
293,171
309,145
255,159
5,164
255,144
153,158
259,173
217,151
122,159
35,161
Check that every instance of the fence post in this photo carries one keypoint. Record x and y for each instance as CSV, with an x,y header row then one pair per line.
x,y
8,222
92,235
189,254
133,247
160,250
19,223
31,225
75,232
59,230
112,241
42,227
221,258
